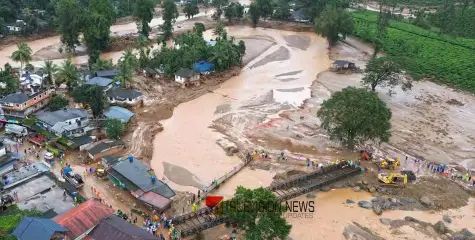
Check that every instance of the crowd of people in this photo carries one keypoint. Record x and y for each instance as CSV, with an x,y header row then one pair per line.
x,y
421,165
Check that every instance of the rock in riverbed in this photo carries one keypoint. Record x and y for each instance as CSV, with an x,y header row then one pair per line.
x,y
427,202
365,204
311,195
325,189
385,221
440,228
349,201
447,219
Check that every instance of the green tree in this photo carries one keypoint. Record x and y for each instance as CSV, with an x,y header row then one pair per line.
x,y
259,212
92,96
127,65
143,14
22,54
70,20
199,28
382,28
265,8
8,82
334,22
101,65
50,70
190,10
169,15
57,102
242,48
385,73
68,73
254,13
355,115
219,30
114,128
282,10
225,55
100,16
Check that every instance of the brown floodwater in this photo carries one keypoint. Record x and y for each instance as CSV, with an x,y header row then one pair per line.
x,y
188,142
332,214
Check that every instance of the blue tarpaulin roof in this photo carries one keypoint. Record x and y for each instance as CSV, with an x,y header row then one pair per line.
x,y
120,113
37,228
203,66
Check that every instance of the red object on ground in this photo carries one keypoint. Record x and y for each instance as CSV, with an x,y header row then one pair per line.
x,y
213,201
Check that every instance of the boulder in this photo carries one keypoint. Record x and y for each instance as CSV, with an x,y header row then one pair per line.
x,y
371,189
349,201
351,184
311,195
426,201
338,185
377,209
365,204
440,228
365,182
447,219
325,189
359,183
356,189
385,221
411,219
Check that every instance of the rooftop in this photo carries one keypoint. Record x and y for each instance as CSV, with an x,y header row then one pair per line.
x,y
116,228
24,173
51,118
111,160
83,217
42,194
110,73
37,228
120,113
82,140
183,72
15,98
123,93
103,146
100,81
139,174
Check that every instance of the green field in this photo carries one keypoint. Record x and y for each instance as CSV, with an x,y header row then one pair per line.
x,y
424,54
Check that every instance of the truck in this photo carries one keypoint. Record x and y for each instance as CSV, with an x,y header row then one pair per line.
x,y
73,178
16,130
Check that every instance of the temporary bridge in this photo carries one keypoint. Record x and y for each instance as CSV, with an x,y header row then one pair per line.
x,y
204,218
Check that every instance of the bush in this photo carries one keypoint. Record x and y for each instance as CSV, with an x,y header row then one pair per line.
x,y
57,102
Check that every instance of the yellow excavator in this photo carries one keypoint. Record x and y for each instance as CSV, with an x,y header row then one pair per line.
x,y
389,163
393,179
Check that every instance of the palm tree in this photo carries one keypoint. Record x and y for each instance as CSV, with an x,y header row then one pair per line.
x,y
22,54
127,64
49,69
68,74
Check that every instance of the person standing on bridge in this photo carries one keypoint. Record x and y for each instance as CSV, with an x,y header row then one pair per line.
x,y
194,207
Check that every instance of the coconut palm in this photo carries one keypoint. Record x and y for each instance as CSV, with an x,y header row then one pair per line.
x,y
68,73
22,54
127,64
49,69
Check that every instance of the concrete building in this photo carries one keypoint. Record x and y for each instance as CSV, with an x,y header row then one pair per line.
x,y
186,77
23,104
67,122
124,96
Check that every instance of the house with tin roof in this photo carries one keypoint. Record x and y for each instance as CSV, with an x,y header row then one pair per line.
x,y
139,179
187,76
83,218
104,82
39,229
116,228
124,96
109,73
123,114
66,122
105,148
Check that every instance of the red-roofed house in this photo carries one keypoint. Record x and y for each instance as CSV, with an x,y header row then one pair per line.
x,y
82,219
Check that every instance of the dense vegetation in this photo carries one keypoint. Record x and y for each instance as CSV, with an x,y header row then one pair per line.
x,y
11,217
355,115
457,21
423,53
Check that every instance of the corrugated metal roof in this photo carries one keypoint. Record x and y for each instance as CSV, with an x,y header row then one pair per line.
x,y
15,98
110,73
155,200
103,146
100,81
116,228
138,174
37,228
83,217
62,115
123,93
120,113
